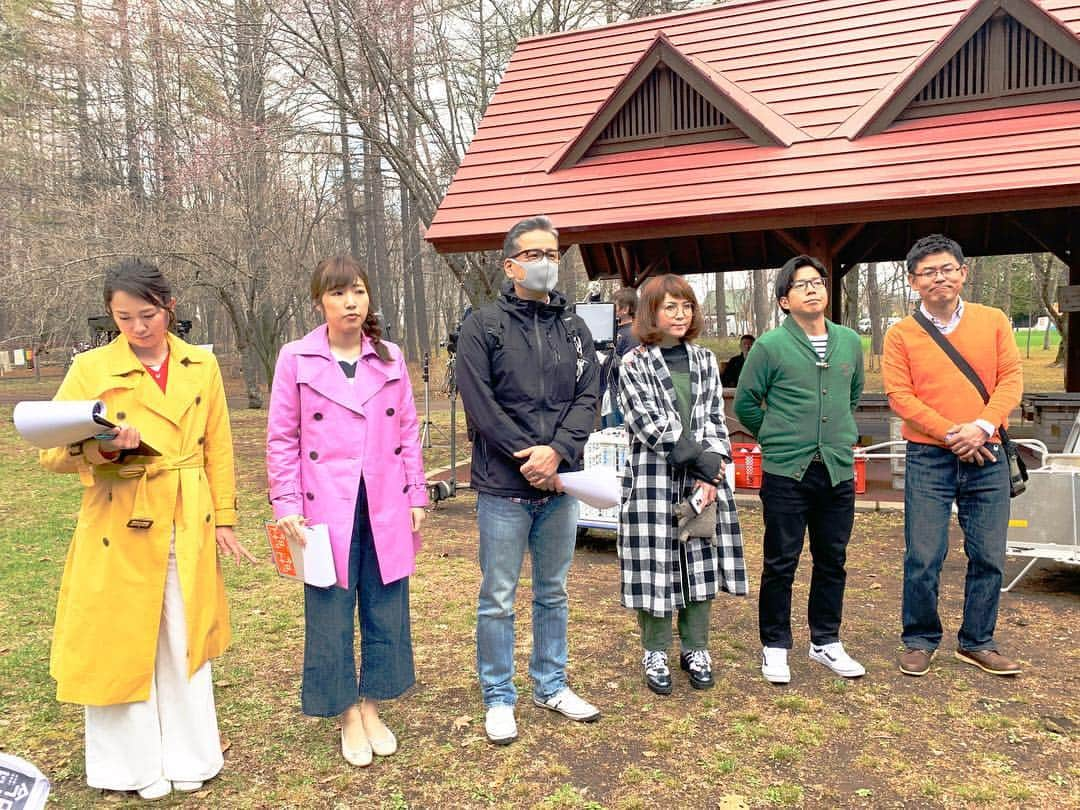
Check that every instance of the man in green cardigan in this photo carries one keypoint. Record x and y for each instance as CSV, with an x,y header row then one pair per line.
x,y
797,394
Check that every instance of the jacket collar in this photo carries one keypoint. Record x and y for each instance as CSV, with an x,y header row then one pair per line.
x,y
663,376
124,370
793,327
317,368
509,299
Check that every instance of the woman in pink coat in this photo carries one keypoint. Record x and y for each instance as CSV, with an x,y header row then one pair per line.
x,y
343,449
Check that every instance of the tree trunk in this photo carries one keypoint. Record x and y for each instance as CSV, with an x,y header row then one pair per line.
x,y
721,304
851,298
164,143
88,163
873,304
762,311
127,91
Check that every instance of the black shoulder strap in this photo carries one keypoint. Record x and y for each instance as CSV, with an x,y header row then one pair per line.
x,y
953,354
961,363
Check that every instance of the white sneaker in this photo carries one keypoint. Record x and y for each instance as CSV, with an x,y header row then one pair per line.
x,y
500,725
187,787
566,703
158,789
774,665
834,657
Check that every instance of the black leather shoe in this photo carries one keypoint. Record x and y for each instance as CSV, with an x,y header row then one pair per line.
x,y
698,663
657,674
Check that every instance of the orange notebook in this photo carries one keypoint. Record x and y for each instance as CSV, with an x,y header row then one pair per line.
x,y
312,563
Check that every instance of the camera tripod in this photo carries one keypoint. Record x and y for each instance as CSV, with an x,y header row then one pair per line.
x,y
426,425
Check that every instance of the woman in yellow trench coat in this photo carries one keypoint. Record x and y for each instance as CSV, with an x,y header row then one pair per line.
x,y
142,602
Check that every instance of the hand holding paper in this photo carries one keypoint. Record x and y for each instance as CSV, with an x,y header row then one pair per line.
x,y
599,487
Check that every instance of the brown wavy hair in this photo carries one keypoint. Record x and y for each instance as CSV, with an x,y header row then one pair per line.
x,y
338,272
651,296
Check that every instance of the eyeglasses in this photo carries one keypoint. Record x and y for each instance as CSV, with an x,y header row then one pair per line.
x,y
537,255
808,284
673,309
946,270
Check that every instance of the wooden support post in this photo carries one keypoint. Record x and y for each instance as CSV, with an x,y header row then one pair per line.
x,y
1072,349
822,250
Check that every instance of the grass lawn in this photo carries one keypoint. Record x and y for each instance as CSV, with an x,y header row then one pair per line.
x,y
957,738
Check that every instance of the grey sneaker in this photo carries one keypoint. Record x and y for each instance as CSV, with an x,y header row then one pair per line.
x,y
566,703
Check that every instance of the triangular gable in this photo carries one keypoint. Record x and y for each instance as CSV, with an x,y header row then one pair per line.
x,y
709,104
1000,53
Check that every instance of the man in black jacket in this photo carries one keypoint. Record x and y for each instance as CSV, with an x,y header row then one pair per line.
x,y
528,379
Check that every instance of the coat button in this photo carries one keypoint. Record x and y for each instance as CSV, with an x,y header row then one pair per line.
x,y
201,439
120,415
185,362
207,518
110,494
311,496
313,456
104,541
824,391
318,416
198,400
824,419
405,488
389,411
397,451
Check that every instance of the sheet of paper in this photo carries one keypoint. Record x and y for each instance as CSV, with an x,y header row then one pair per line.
x,y
312,563
599,487
318,557
55,423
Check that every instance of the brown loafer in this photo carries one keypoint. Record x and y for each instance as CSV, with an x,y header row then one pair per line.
x,y
989,661
916,662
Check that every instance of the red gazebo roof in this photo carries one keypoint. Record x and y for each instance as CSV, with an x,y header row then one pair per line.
x,y
814,88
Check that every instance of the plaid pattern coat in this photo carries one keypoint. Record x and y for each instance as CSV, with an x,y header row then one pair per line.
x,y
651,557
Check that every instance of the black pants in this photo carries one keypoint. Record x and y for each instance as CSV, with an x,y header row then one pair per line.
x,y
791,507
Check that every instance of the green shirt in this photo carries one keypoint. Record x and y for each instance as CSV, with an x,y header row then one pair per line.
x,y
797,405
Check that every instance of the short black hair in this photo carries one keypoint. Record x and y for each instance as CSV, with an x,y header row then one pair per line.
x,y
137,278
537,223
749,337
787,274
929,245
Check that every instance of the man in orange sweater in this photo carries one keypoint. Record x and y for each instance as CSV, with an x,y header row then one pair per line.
x,y
954,454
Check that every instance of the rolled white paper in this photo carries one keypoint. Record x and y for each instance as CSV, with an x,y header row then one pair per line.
x,y
55,423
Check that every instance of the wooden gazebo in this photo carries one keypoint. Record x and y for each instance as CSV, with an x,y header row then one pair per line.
x,y
732,137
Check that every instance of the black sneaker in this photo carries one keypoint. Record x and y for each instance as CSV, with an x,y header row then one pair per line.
x,y
699,664
657,674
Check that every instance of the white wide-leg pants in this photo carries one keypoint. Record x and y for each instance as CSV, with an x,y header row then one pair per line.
x,y
174,734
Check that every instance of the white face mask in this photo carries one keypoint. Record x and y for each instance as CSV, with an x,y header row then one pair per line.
x,y
540,276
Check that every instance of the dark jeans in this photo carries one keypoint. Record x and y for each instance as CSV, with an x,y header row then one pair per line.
x,y
386,653
934,478
790,508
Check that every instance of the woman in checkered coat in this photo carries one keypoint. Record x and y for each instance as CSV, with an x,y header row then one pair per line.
x,y
670,394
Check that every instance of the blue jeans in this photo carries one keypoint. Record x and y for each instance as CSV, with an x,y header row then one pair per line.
x,y
935,478
386,654
548,528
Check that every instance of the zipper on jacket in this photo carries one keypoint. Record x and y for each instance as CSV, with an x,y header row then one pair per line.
x,y
540,359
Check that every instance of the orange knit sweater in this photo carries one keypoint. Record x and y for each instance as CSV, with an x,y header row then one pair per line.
x,y
931,394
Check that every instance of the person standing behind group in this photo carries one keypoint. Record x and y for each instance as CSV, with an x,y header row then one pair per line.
x,y
342,448
734,366
142,605
625,309
797,394
528,378
954,454
670,392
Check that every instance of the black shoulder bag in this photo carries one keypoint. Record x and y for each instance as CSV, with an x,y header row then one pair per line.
x,y
1018,473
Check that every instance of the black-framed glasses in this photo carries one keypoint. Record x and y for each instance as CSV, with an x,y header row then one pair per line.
x,y
808,284
536,255
946,270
